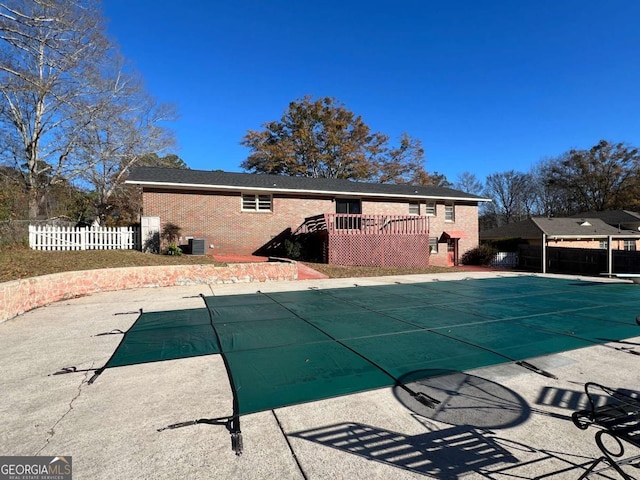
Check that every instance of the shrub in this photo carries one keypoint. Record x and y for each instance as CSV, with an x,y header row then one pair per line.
x,y
169,237
173,249
171,232
293,249
481,255
305,247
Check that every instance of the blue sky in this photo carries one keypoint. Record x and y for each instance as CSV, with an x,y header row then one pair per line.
x,y
488,86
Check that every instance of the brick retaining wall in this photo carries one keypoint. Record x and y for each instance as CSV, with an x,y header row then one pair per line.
x,y
20,296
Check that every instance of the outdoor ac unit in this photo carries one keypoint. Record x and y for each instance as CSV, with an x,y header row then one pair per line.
x,y
197,246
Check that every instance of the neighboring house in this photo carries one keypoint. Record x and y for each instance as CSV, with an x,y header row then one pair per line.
x,y
597,247
241,213
568,232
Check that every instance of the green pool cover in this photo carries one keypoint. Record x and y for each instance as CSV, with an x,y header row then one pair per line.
x,y
291,347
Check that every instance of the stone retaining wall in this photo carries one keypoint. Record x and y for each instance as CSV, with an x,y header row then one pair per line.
x,y
19,296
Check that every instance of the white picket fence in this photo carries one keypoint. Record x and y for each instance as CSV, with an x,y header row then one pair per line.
x,y
47,237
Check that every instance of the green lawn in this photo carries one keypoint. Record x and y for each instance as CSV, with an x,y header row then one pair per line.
x,y
22,262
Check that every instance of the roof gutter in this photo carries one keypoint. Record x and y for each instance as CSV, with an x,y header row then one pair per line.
x,y
585,237
196,186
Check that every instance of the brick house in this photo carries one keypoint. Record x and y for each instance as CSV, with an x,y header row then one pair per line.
x,y
359,223
568,232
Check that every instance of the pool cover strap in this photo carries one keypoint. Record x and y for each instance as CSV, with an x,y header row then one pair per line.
x,y
233,423
168,335
441,332
419,396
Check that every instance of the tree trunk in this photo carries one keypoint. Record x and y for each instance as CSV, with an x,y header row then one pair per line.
x,y
33,204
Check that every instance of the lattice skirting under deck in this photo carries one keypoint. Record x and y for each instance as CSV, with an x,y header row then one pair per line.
x,y
379,250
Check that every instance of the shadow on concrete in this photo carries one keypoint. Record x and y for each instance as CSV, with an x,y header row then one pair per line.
x,y
474,407
449,454
444,454
466,400
574,399
546,463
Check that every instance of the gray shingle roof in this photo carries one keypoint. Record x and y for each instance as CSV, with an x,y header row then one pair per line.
x,y
577,227
246,181
613,217
533,228
525,229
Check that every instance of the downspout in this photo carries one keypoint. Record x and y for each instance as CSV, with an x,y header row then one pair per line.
x,y
610,255
544,253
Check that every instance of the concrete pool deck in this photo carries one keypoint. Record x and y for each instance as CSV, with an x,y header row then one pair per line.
x,y
501,422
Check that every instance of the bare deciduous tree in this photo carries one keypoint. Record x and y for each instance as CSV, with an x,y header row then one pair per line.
x,y
68,107
46,46
123,131
549,199
468,182
601,178
510,194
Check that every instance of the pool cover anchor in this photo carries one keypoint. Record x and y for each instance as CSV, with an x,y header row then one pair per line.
x,y
537,370
231,423
72,369
423,398
115,331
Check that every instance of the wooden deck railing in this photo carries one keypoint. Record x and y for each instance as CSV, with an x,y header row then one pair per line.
x,y
312,224
353,224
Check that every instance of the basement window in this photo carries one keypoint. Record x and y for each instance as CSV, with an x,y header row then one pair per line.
x,y
433,245
256,203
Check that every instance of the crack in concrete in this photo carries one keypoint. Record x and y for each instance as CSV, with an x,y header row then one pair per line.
x,y
52,430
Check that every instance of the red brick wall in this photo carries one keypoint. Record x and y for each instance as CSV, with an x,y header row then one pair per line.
x,y
465,220
218,218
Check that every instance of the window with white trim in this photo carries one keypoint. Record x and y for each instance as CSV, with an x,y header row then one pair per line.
x,y
449,213
414,208
430,209
256,203
604,244
433,244
630,245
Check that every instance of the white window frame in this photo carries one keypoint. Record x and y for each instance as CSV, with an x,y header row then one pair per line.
x,y
630,245
433,245
430,209
414,208
449,212
255,202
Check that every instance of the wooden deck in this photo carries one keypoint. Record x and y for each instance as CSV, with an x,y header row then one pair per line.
x,y
373,240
